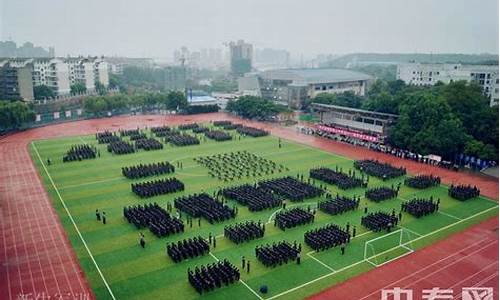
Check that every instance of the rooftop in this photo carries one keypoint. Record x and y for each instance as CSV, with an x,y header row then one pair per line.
x,y
311,76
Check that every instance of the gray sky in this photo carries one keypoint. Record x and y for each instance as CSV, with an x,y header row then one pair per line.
x,y
157,27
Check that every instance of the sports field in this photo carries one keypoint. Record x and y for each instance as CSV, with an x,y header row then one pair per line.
x,y
117,267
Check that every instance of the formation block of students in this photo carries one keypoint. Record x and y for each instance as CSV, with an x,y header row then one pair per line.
x,y
338,178
381,170
200,129
379,194
161,131
222,123
278,253
213,276
420,207
121,147
327,237
148,144
244,231
255,197
80,152
176,138
138,136
218,135
188,126
463,192
251,131
154,217
202,205
157,187
236,165
339,204
292,188
129,132
292,218
152,169
423,181
106,137
379,221
187,248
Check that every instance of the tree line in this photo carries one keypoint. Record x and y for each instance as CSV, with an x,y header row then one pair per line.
x,y
444,119
252,107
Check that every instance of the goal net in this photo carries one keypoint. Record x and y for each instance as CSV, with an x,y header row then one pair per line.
x,y
388,247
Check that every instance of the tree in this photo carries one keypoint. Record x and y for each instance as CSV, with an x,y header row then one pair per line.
x,y
426,125
100,88
176,101
43,92
254,108
78,88
13,115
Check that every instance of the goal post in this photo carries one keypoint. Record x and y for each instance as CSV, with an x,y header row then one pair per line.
x,y
388,247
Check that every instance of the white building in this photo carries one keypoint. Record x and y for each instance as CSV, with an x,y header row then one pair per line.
x,y
429,74
101,71
53,73
81,70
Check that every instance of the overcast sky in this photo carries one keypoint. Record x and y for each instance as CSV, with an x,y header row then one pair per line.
x,y
157,27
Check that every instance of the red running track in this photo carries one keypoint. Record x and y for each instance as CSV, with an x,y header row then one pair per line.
x,y
37,258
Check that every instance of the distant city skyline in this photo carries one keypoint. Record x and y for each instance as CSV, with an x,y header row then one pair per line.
x,y
157,28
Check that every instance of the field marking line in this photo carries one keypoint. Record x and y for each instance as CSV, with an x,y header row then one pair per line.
x,y
435,263
244,283
449,215
479,283
451,264
322,263
364,261
73,222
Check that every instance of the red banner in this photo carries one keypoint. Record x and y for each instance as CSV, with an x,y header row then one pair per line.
x,y
349,133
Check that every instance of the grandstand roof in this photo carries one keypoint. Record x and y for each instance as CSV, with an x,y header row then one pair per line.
x,y
312,76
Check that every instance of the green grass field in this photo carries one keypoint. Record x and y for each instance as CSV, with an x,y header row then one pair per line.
x,y
77,189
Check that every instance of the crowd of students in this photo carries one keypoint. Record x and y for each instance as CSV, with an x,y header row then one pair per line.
x,y
292,188
338,205
378,169
212,276
278,253
80,152
218,135
251,131
202,205
463,192
379,221
154,217
146,170
106,137
378,194
121,147
244,231
148,144
423,181
327,237
157,187
187,248
256,198
338,178
419,207
294,217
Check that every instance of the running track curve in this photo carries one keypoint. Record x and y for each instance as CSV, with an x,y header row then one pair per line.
x,y
37,259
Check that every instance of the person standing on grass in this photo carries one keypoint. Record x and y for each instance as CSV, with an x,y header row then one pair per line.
x,y
248,266
342,248
298,258
98,215
142,241
104,218
243,262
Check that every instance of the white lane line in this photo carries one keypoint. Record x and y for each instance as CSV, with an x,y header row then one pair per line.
x,y
74,224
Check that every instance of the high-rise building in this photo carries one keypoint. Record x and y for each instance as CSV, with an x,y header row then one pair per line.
x,y
241,56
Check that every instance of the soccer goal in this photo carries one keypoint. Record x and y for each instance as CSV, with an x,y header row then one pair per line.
x,y
388,247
